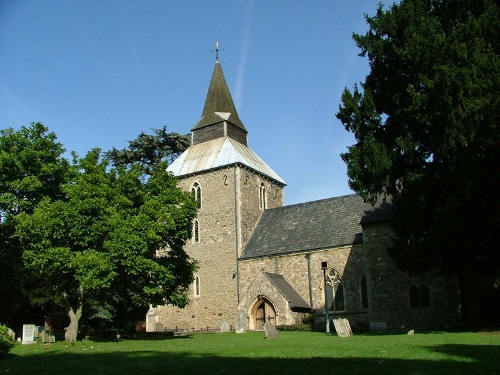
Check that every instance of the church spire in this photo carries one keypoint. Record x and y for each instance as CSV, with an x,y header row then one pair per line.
x,y
219,106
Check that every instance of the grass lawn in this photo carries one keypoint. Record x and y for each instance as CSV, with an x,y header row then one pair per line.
x,y
252,353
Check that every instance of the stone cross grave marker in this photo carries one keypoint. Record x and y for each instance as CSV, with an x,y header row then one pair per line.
x,y
225,327
28,334
241,321
342,327
270,330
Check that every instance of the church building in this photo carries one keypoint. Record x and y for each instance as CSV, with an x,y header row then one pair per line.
x,y
260,261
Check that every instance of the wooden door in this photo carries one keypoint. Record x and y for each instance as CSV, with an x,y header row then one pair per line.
x,y
264,313
260,316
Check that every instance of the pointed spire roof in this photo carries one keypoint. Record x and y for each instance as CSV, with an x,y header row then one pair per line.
x,y
219,105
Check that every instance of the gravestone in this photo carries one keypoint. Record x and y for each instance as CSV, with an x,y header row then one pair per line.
x,y
270,330
342,327
378,327
241,321
11,333
225,327
47,337
28,334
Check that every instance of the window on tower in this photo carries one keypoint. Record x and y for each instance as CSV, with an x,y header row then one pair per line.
x,y
196,193
419,296
196,286
196,231
363,291
262,196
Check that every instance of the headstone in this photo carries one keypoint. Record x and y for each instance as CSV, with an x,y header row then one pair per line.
x,y
11,333
28,334
47,337
225,327
241,321
378,327
342,327
270,330
38,331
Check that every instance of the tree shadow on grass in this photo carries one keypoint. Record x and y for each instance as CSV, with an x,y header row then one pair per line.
x,y
472,359
484,354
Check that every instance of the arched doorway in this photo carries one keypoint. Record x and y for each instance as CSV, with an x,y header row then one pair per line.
x,y
263,312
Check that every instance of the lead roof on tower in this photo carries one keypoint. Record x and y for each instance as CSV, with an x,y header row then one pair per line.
x,y
218,153
219,105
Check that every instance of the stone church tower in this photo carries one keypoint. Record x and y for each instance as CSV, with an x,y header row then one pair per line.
x,y
233,186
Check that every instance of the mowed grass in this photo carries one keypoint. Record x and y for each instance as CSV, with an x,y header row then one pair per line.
x,y
252,353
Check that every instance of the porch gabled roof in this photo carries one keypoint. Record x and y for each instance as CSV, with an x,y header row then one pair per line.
x,y
297,303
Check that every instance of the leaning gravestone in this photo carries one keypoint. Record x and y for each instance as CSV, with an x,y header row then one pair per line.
x,y
241,321
28,334
342,327
225,327
270,330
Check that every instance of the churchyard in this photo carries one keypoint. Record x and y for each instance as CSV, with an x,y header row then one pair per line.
x,y
252,353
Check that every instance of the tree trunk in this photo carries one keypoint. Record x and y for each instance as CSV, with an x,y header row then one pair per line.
x,y
74,316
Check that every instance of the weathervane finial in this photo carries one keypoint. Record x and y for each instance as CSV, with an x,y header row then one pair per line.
x,y
216,51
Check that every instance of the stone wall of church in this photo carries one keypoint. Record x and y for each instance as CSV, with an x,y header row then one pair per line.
x,y
300,269
226,194
250,183
215,254
388,289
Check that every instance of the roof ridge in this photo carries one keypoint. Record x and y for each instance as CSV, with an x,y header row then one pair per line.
x,y
312,202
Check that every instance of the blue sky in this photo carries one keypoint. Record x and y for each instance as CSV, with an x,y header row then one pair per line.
x,y
97,73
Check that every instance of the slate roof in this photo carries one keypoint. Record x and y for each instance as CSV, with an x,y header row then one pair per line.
x,y
219,153
311,226
219,105
295,300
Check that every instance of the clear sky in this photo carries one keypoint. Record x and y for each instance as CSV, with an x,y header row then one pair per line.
x,y
98,72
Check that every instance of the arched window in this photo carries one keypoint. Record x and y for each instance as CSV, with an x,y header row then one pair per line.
x,y
425,298
363,291
196,286
419,296
335,291
196,231
262,196
196,193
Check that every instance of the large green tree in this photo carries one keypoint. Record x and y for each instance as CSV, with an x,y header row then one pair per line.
x,y
145,152
148,150
113,231
426,126
32,168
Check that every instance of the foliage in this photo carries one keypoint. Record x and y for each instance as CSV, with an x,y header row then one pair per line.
x,y
31,169
101,241
148,150
301,327
426,125
6,341
250,353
